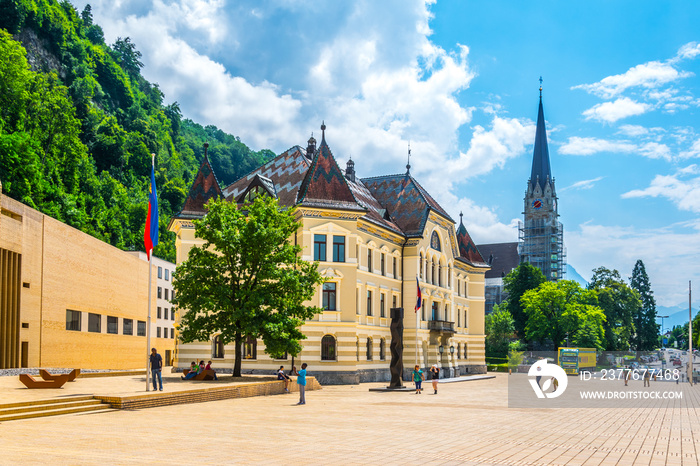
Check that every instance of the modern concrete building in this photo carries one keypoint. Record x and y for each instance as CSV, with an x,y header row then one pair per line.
x,y
68,299
372,238
163,314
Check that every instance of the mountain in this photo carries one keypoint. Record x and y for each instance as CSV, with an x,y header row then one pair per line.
x,y
677,315
79,125
572,274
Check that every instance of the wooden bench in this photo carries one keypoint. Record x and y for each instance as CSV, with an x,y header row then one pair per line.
x,y
48,376
31,382
204,375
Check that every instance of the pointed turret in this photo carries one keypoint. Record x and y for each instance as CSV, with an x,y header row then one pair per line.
x,y
204,187
467,248
541,171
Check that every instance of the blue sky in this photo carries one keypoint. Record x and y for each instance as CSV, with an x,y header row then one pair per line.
x,y
459,80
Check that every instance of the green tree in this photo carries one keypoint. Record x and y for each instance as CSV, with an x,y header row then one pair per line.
x,y
563,309
647,334
247,280
521,279
499,329
620,303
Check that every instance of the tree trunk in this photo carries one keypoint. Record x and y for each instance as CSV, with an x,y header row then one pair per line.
x,y
239,356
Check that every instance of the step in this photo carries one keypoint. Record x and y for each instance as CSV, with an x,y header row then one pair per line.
x,y
54,412
45,402
49,406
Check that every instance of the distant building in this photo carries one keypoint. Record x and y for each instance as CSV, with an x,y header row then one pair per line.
x,y
68,299
542,235
163,314
373,239
502,258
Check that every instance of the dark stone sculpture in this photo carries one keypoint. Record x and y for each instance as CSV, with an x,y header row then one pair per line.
x,y
396,347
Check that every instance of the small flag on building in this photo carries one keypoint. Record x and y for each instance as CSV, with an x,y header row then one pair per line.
x,y
419,299
150,232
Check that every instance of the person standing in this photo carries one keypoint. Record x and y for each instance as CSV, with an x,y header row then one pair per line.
x,y
301,381
156,368
435,375
418,378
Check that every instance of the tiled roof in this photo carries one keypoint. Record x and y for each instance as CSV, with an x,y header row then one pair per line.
x,y
204,187
502,257
468,251
406,200
375,212
286,172
324,184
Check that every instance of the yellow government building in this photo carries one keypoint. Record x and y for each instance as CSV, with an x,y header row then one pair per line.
x,y
376,241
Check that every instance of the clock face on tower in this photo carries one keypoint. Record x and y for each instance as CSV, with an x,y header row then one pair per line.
x,y
537,204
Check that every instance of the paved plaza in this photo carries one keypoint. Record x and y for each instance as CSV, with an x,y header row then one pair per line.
x,y
466,423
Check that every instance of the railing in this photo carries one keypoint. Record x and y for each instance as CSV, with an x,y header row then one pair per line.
x,y
441,326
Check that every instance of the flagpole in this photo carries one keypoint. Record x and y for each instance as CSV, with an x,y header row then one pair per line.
x,y
417,321
690,336
150,291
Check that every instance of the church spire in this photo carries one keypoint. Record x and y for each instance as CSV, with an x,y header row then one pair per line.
x,y
541,171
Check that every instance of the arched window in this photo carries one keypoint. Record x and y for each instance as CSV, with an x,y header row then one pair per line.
x,y
369,349
420,266
382,349
250,348
217,347
458,352
328,348
432,278
435,241
449,276
440,275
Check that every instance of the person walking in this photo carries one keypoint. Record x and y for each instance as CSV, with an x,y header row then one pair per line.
x,y
156,368
418,378
435,375
301,381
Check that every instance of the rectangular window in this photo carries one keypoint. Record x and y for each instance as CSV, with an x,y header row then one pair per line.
x,y
320,248
172,334
159,312
141,329
458,315
393,267
165,332
172,314
338,248
160,272
128,327
112,325
165,313
94,323
382,312
167,275
369,303
381,263
329,296
166,293
422,311
160,292
369,260
157,332
72,320
172,295
393,301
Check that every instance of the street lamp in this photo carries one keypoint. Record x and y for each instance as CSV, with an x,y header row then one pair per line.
x,y
662,329
452,350
441,349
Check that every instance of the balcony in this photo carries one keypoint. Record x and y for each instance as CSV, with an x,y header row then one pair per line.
x,y
442,326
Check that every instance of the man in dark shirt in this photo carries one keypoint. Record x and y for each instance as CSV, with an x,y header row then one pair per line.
x,y
156,367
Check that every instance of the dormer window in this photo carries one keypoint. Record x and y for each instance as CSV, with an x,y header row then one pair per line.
x,y
259,186
253,193
435,241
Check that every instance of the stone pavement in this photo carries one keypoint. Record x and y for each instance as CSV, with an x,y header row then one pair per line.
x,y
466,423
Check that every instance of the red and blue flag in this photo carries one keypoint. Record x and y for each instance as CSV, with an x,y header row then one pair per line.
x,y
419,299
150,233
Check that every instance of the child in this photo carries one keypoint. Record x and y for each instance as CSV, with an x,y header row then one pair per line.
x,y
282,376
418,378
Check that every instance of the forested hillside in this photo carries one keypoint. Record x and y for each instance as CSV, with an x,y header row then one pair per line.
x,y
78,125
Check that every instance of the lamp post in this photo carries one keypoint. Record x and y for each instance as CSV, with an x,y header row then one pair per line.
x,y
441,350
452,349
662,329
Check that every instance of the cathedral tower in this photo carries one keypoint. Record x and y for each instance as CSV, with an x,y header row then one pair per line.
x,y
542,235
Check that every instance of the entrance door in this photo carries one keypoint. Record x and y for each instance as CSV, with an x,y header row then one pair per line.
x,y
25,354
168,362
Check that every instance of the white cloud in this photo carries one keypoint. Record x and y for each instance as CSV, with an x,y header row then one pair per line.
x,y
612,111
684,194
689,51
583,184
647,75
654,150
589,146
667,255
637,130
